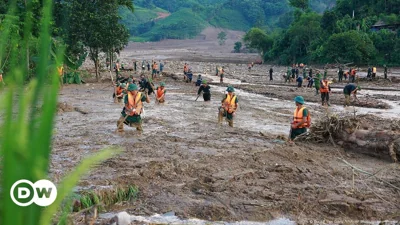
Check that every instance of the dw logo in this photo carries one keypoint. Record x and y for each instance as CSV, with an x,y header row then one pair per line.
x,y
42,192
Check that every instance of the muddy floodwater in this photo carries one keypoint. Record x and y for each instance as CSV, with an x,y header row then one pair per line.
x,y
188,168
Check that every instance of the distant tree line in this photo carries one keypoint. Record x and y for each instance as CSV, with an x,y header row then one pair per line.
x,y
334,36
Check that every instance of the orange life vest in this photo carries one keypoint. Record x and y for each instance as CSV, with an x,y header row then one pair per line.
x,y
185,68
298,117
324,87
160,92
229,103
353,72
134,103
119,90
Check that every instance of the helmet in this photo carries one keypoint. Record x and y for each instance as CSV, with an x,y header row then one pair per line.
x,y
204,82
123,85
132,87
230,89
299,99
359,88
162,84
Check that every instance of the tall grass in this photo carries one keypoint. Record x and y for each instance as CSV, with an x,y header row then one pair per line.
x,y
25,133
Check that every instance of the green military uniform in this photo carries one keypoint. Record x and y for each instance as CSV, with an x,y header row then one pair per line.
x,y
288,74
294,132
317,83
223,112
135,120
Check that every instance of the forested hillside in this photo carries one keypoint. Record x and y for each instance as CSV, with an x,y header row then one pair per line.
x,y
188,18
343,34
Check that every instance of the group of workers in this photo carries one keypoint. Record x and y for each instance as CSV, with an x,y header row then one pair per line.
x,y
133,97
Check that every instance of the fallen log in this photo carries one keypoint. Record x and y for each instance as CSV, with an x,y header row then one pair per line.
x,y
366,134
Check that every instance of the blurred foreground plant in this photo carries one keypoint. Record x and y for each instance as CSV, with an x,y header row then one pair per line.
x,y
26,133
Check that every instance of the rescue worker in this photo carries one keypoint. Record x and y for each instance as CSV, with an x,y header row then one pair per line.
x,y
148,66
297,71
229,106
299,81
146,85
135,65
340,74
160,93
348,90
185,68
310,72
199,80
271,71
369,73
385,71
120,92
221,75
352,76
189,76
205,88
325,73
293,72
130,114
325,90
310,82
161,67
288,73
143,66
317,82
373,72
154,70
117,67
301,119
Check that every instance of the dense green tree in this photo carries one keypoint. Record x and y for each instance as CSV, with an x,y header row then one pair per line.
x,y
237,47
258,39
351,46
94,27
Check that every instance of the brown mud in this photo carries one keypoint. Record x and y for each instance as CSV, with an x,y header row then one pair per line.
x,y
184,162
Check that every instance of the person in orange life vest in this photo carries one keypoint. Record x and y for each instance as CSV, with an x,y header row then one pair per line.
x,y
120,92
229,106
352,76
130,114
160,93
300,119
325,89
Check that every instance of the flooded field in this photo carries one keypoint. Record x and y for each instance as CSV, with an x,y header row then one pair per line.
x,y
185,163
